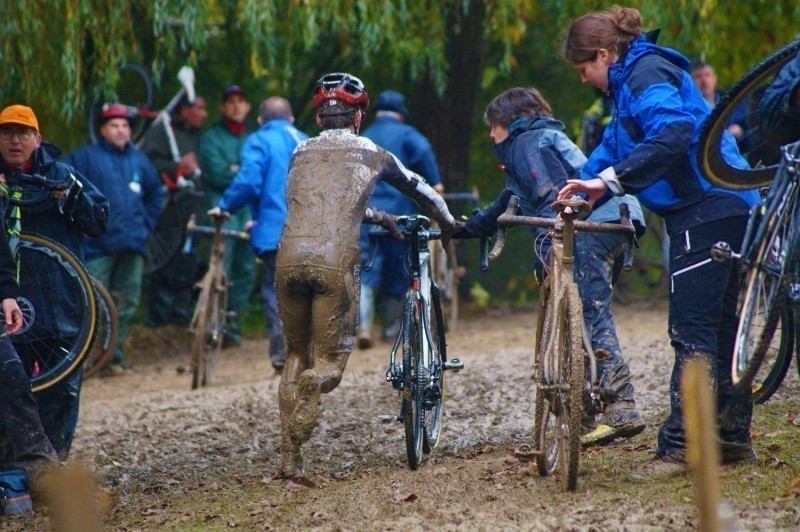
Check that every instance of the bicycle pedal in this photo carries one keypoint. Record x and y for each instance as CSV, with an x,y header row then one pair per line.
x,y
455,365
388,418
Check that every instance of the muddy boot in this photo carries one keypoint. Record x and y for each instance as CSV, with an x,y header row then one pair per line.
x,y
291,461
364,339
301,423
620,420
658,468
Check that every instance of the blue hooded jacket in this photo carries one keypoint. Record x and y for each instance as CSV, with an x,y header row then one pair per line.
x,y
652,139
133,188
261,181
413,150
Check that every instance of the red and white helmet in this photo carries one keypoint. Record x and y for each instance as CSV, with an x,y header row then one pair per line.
x,y
341,87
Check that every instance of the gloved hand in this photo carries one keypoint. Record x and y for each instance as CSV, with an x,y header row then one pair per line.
x,y
388,222
218,214
448,233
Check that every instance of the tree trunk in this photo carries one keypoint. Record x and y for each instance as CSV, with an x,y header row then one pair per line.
x,y
448,121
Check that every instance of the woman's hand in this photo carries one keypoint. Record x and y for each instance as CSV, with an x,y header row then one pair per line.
x,y
593,188
13,316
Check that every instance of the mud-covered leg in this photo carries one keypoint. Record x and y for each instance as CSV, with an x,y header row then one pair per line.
x,y
295,313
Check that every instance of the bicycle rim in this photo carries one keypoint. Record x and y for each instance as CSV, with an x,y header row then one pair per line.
x,y
571,373
709,149
134,90
168,238
433,415
61,335
215,331
765,291
413,411
776,361
107,332
545,425
199,327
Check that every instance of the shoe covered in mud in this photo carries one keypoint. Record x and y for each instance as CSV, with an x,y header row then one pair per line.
x,y
278,365
364,340
746,456
605,434
658,468
15,496
114,369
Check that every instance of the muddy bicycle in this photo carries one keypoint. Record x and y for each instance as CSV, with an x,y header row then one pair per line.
x,y
210,315
770,250
420,375
565,369
107,332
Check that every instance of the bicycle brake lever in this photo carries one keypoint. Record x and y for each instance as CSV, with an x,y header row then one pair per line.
x,y
500,242
625,219
373,251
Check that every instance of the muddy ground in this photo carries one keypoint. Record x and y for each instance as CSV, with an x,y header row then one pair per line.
x,y
172,458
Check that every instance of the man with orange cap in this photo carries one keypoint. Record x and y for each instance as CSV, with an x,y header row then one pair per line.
x,y
64,220
130,182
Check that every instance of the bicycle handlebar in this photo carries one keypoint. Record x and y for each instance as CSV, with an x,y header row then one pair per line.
x,y
192,227
70,185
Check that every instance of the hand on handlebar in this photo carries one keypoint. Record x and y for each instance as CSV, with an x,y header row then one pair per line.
x,y
218,214
593,188
448,233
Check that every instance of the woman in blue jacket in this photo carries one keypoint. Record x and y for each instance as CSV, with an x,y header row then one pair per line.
x,y
648,150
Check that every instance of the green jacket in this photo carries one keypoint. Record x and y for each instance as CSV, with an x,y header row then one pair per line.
x,y
218,150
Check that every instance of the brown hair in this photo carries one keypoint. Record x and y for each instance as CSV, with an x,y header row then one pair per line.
x,y
516,103
612,30
339,115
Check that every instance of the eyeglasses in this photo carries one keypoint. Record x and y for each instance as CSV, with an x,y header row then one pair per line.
x,y
22,134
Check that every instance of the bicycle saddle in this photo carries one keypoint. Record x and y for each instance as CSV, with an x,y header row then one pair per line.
x,y
574,204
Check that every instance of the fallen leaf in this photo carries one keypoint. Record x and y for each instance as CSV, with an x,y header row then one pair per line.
x,y
411,498
793,491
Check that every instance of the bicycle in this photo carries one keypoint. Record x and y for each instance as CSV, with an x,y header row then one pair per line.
x,y
136,95
769,251
445,267
419,377
210,315
563,352
107,332
56,336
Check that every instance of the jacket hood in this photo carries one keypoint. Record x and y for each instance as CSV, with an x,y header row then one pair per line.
x,y
644,45
523,125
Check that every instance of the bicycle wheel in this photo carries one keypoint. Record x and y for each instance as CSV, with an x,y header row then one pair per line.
x,y
761,145
765,288
60,337
445,271
134,90
107,332
413,375
435,404
545,424
207,325
169,236
777,360
570,402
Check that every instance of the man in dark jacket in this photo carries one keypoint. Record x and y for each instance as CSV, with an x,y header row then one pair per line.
x,y
220,157
130,182
58,405
779,109
172,147
388,273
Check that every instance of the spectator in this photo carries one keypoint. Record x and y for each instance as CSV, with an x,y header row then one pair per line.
x,y
261,184
388,274
779,108
706,80
58,405
220,157
130,182
172,147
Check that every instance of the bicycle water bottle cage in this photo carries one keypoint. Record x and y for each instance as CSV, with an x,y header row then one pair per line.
x,y
574,207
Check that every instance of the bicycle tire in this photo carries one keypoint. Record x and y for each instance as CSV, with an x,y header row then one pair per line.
x,y
199,327
216,331
544,422
779,367
709,148
573,353
107,332
135,84
412,392
433,418
169,235
51,354
751,346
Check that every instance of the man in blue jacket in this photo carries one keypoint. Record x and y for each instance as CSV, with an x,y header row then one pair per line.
x,y
388,274
58,405
261,184
130,182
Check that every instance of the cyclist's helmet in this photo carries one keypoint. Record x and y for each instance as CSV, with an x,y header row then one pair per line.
x,y
340,87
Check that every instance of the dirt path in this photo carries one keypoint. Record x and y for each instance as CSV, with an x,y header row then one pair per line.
x,y
178,459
